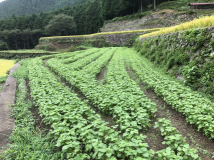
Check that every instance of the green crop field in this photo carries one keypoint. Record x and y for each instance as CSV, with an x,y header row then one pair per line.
x,y
108,103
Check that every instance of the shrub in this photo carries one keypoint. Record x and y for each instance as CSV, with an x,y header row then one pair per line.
x,y
71,49
3,45
47,47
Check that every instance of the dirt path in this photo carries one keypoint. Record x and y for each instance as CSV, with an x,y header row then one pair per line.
x,y
7,99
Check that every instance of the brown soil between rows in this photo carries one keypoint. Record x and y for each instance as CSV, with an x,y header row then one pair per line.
x,y
39,123
106,118
194,138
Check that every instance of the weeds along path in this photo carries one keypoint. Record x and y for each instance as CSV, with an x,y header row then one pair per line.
x,y
7,100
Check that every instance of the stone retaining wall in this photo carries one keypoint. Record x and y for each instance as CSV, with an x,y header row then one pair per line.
x,y
107,40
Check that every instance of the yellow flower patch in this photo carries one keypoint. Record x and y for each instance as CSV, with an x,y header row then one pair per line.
x,y
5,65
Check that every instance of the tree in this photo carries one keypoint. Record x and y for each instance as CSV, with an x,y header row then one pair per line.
x,y
61,25
6,35
3,45
26,33
16,33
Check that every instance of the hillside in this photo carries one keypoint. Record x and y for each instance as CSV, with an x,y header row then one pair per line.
x,y
153,19
28,7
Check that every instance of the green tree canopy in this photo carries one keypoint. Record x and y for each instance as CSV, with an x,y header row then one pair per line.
x,y
61,25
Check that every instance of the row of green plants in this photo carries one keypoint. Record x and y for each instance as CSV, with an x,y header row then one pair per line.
x,y
71,59
25,141
85,81
197,109
78,130
175,141
110,99
78,64
117,75
188,53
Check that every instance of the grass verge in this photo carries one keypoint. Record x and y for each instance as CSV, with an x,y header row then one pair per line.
x,y
25,142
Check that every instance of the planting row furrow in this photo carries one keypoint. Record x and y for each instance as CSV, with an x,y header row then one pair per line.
x,y
110,99
117,75
77,56
175,141
104,96
79,130
198,110
68,54
84,61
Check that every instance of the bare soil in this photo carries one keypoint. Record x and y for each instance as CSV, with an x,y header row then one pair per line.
x,y
101,76
39,123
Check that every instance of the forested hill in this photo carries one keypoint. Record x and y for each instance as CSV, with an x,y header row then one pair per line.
x,y
28,7
18,32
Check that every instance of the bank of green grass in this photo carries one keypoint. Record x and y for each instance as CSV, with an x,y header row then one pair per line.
x,y
25,141
22,54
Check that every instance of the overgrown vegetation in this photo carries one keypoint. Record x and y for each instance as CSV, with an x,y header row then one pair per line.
x,y
22,54
188,54
25,141
69,81
23,32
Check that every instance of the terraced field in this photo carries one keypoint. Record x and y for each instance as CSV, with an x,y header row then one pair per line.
x,y
110,103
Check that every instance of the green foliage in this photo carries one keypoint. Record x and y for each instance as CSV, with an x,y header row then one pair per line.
x,y
2,80
61,25
22,54
71,49
82,126
128,17
191,74
25,142
3,45
197,110
25,7
186,53
47,47
180,5
175,141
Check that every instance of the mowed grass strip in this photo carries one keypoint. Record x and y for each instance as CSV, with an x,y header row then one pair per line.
x,y
5,65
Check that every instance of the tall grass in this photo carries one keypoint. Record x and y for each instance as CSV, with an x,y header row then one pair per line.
x,y
25,142
207,21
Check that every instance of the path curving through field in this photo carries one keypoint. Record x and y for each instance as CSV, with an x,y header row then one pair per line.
x,y
7,99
